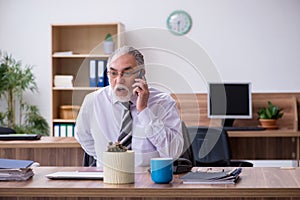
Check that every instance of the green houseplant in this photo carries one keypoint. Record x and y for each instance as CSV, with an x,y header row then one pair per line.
x,y
108,37
15,113
108,44
269,115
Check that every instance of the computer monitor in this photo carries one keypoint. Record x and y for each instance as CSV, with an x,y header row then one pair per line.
x,y
229,101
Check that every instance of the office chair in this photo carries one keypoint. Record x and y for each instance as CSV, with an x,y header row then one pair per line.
x,y
89,161
184,163
187,151
211,148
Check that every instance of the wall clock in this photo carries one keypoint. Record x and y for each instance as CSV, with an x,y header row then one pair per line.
x,y
179,22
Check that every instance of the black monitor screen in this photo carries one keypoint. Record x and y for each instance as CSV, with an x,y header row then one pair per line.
x,y
229,100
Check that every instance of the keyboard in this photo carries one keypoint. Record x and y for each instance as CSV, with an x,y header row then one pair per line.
x,y
243,128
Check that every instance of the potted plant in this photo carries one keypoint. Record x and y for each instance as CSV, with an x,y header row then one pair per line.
x,y
268,116
108,44
16,113
118,164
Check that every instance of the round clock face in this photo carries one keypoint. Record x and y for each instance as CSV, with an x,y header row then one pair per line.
x,y
179,22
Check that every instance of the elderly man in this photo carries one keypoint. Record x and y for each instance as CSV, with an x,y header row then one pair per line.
x,y
153,127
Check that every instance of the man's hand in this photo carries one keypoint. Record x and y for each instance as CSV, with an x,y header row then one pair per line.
x,y
141,89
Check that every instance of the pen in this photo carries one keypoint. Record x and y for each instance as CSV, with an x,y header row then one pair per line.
x,y
234,172
230,172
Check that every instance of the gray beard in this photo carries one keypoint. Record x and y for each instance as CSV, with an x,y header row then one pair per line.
x,y
122,98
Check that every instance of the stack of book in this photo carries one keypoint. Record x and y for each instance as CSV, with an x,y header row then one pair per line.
x,y
63,53
212,177
17,174
15,170
63,81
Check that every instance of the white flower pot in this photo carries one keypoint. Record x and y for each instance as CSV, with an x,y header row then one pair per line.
x,y
118,167
108,47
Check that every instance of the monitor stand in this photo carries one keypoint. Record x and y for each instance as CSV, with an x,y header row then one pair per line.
x,y
227,122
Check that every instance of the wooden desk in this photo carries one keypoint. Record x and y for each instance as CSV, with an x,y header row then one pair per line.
x,y
49,151
255,183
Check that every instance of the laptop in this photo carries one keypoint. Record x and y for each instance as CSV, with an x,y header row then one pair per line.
x,y
76,175
20,136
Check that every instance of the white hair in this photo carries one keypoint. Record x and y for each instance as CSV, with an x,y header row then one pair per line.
x,y
126,50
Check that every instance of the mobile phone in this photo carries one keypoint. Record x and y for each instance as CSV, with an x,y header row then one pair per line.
x,y
141,74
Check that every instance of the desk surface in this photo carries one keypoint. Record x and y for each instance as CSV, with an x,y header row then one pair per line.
x,y
44,142
254,182
265,133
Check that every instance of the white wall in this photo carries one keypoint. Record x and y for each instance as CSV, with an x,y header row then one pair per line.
x,y
244,40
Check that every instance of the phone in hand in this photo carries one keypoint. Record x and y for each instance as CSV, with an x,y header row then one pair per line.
x,y
141,74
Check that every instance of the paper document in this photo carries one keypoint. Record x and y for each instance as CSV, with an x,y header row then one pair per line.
x,y
224,177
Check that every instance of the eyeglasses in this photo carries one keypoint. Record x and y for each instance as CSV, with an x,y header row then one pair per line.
x,y
115,74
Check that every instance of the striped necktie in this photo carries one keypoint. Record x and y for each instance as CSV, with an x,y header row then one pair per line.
x,y
126,126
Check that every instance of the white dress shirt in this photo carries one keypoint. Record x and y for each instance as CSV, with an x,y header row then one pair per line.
x,y
156,130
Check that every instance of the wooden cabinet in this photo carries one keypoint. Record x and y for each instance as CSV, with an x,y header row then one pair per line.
x,y
73,46
262,148
48,151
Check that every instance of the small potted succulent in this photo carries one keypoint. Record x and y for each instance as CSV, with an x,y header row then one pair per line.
x,y
118,164
108,44
268,116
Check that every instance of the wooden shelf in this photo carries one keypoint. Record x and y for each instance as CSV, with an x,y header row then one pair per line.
x,y
64,120
85,41
81,56
76,88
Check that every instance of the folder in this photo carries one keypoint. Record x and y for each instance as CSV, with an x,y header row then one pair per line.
x,y
15,170
106,82
63,130
70,130
14,163
56,130
100,74
93,73
223,177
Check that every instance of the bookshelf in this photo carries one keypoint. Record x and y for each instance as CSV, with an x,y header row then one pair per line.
x,y
73,47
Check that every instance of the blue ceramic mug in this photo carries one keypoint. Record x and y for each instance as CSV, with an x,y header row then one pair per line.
x,y
161,170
